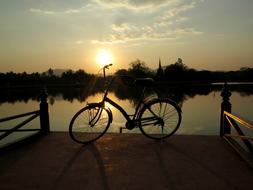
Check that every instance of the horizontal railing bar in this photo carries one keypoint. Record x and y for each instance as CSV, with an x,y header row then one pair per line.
x,y
18,126
19,130
239,120
239,136
233,123
18,116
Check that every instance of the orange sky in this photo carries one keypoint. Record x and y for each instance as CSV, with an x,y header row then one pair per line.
x,y
37,35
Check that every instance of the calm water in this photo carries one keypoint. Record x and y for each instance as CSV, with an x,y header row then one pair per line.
x,y
200,106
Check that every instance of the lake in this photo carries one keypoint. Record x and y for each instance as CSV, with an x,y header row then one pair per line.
x,y
200,105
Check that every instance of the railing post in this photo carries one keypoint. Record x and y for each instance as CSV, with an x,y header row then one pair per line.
x,y
44,116
225,106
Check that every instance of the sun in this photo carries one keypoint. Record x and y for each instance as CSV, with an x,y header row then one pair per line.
x,y
104,57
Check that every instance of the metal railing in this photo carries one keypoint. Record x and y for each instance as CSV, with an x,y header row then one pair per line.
x,y
230,122
233,121
42,113
7,132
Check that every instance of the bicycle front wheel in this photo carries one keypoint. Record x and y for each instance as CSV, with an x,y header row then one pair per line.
x,y
89,124
159,118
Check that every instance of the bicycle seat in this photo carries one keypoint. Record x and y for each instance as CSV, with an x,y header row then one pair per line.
x,y
143,82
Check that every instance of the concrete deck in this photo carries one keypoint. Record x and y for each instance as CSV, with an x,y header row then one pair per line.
x,y
121,161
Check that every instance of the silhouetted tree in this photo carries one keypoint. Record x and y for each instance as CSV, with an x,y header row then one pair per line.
x,y
50,72
139,69
122,72
176,71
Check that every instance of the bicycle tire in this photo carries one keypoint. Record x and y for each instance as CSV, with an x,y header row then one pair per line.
x,y
81,128
168,118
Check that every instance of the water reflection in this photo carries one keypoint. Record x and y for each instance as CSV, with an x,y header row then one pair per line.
x,y
200,104
178,93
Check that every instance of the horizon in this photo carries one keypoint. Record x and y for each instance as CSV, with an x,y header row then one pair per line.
x,y
112,71
208,35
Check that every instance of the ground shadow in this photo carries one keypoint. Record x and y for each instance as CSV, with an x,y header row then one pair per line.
x,y
91,148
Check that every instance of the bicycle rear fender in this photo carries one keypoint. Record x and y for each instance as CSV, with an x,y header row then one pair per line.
x,y
110,113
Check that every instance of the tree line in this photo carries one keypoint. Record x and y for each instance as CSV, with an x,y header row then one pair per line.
x,y
68,77
173,73
180,72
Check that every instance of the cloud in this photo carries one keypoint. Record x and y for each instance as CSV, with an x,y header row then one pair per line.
x,y
151,5
129,21
164,23
146,34
133,4
46,12
70,11
175,11
49,12
79,42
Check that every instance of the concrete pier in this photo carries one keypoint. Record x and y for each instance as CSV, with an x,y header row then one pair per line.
x,y
124,162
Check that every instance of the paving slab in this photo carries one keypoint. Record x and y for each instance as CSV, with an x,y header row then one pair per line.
x,y
124,162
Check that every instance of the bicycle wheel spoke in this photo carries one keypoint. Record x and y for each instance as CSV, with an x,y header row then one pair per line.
x,y
174,114
166,120
89,124
168,111
160,110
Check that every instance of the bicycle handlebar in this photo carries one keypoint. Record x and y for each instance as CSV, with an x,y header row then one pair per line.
x,y
106,67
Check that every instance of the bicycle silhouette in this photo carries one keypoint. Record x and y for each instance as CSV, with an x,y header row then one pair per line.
x,y
157,118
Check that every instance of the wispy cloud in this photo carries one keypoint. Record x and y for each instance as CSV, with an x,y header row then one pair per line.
x,y
70,11
132,21
50,12
134,4
163,23
147,35
40,11
79,42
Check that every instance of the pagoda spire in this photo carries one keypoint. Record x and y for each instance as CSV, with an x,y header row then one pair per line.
x,y
159,72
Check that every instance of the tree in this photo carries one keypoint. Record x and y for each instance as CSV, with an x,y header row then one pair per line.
x,y
81,75
139,69
50,72
176,71
122,72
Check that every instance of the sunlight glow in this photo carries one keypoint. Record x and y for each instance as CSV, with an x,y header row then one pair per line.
x,y
104,57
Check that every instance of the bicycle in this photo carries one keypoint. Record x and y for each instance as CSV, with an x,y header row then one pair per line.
x,y
157,118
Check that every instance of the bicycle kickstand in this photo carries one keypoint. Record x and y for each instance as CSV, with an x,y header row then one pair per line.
x,y
121,129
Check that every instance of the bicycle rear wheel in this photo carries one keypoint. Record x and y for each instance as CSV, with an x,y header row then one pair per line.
x,y
89,124
159,118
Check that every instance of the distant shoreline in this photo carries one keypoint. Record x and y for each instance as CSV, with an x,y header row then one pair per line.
x,y
165,83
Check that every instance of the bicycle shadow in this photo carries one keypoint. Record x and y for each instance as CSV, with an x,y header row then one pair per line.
x,y
159,148
80,153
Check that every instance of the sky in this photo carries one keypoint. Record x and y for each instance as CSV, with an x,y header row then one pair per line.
x,y
36,35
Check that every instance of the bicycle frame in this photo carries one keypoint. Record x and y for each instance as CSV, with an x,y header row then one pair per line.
x,y
122,111
151,113
145,121
118,107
